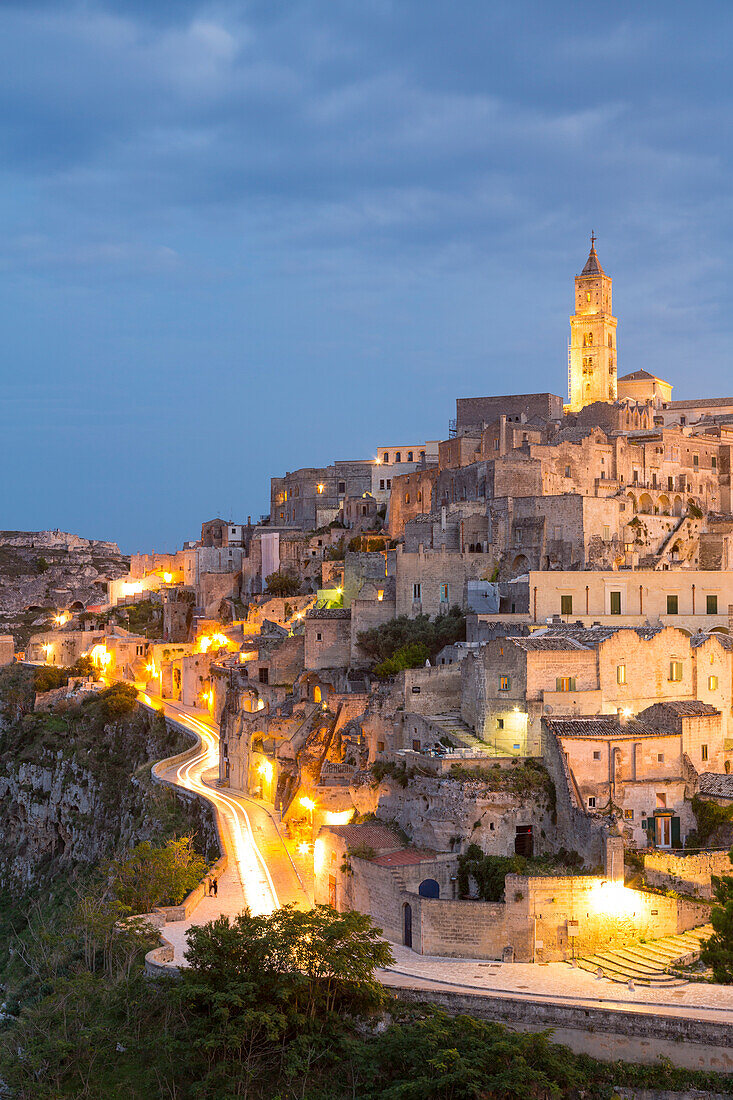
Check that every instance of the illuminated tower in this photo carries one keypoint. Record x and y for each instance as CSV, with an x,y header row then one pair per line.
x,y
592,353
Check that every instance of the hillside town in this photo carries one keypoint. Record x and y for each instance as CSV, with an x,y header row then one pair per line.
x,y
509,650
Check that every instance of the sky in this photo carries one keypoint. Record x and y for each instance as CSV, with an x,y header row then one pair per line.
x,y
243,237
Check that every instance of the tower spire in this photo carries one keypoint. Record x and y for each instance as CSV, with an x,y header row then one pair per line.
x,y
592,264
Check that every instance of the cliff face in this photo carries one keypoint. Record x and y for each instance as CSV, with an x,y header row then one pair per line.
x,y
50,570
75,785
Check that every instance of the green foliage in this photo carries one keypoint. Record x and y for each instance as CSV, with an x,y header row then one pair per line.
x,y
149,876
117,701
282,583
41,565
693,511
529,779
489,871
337,552
382,642
143,617
367,544
413,655
388,769
710,817
717,952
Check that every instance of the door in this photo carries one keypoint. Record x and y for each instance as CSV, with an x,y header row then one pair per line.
x,y
523,841
332,891
407,916
676,841
663,832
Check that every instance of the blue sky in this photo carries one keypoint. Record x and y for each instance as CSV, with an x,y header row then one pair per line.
x,y
238,238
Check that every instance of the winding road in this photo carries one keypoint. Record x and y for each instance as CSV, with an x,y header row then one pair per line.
x,y
261,875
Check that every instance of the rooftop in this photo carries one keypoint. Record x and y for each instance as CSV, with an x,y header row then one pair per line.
x,y
600,725
378,837
716,785
592,264
406,857
641,375
689,708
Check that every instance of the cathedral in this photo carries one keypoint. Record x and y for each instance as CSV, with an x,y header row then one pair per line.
x,y
592,352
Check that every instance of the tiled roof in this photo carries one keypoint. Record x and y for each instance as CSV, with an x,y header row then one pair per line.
x,y
724,640
406,857
699,403
600,725
686,708
716,785
640,375
378,837
329,613
567,636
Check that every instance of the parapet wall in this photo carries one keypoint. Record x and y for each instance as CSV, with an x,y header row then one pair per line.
x,y
686,873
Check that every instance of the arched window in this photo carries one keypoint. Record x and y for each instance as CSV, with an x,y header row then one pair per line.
x,y
429,888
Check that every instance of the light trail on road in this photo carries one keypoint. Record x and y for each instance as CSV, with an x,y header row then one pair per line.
x,y
258,889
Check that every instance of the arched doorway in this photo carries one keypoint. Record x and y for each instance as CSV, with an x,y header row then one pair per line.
x,y
407,924
677,506
429,888
316,694
520,565
632,500
645,504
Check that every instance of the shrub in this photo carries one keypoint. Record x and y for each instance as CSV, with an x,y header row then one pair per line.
x,y
282,583
407,656
383,642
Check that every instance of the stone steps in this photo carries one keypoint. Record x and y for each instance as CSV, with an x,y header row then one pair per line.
x,y
648,963
452,725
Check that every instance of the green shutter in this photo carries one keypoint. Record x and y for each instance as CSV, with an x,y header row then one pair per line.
x,y
572,683
676,843
558,684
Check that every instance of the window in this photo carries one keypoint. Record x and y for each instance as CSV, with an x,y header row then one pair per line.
x,y
385,457
675,671
320,488
597,755
565,683
264,675
380,594
606,533
661,800
416,746
673,605
504,683
398,456
696,461
319,637
407,498
444,593
380,746
629,815
615,603
566,605
342,486
409,456
587,298
620,674
712,683
711,604
389,483
416,590
381,483
496,444
592,802
567,471
670,483
500,723
704,752
660,757
714,462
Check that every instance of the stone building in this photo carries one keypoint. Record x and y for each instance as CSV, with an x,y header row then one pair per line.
x,y
313,496
641,767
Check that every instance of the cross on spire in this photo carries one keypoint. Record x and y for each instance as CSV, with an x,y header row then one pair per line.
x,y
593,239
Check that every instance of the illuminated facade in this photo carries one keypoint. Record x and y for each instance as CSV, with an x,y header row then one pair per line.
x,y
592,354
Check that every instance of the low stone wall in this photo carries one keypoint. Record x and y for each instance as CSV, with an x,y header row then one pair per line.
x,y
687,873
604,1033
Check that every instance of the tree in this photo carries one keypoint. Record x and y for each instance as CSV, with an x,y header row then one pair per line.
x,y
413,655
150,876
385,641
718,949
282,584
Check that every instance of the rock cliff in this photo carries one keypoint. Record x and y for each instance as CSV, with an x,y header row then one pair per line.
x,y
42,571
75,786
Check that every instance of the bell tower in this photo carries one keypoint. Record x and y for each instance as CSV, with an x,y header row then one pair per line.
x,y
592,352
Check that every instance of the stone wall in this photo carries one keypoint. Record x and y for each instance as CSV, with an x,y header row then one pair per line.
x,y
327,639
686,873
431,690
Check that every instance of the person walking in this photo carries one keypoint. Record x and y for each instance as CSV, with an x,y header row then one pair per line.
x,y
215,887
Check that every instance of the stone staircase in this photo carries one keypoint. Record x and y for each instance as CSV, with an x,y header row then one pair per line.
x,y
450,724
648,963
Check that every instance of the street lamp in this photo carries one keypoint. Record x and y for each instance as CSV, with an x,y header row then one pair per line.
x,y
309,805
